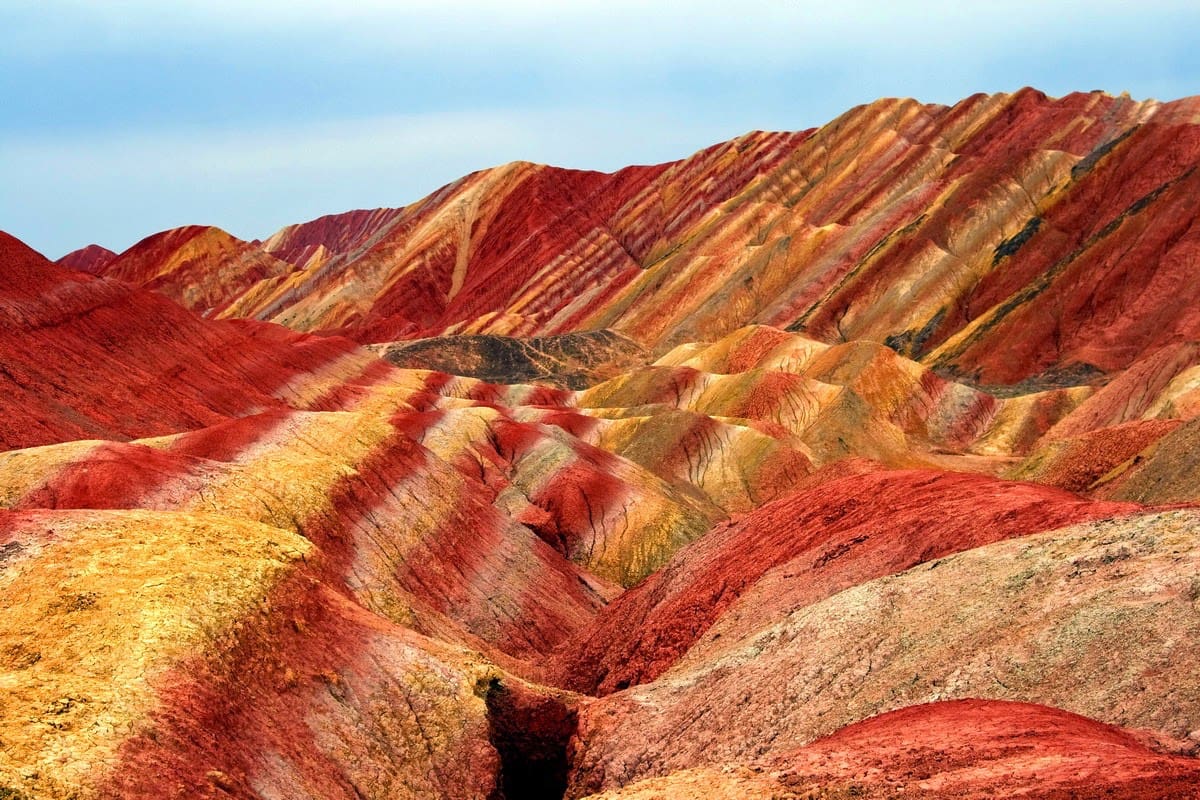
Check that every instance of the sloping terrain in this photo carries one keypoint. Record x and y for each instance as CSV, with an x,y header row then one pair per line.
x,y
123,695
1098,619
201,268
84,357
1008,238
978,749
801,549
91,259
854,462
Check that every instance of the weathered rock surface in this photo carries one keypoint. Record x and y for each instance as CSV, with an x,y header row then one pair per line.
x,y
572,360
201,268
91,259
1011,238
688,480
976,749
799,550
1098,619
333,236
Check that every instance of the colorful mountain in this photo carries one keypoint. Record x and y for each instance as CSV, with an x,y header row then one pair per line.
x,y
201,268
91,259
853,462
953,234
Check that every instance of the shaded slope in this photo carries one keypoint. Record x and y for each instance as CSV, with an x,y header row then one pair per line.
x,y
572,360
597,509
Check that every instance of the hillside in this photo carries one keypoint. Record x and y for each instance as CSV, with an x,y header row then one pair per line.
x,y
853,462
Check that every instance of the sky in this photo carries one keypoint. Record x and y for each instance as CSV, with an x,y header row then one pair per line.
x,y
122,118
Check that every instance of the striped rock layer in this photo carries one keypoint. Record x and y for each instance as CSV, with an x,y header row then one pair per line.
x,y
854,462
1007,238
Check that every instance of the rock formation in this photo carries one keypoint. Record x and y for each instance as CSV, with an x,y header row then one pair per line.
x,y
853,462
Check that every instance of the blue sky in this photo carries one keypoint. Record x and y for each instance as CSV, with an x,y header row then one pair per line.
x,y
122,118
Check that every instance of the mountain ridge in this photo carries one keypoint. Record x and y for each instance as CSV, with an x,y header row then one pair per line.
x,y
1038,164
852,462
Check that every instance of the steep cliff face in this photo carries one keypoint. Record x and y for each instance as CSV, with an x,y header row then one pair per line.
x,y
856,462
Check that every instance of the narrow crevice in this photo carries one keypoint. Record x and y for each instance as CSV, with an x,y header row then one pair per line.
x,y
531,732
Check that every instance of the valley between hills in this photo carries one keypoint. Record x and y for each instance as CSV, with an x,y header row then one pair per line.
x,y
855,462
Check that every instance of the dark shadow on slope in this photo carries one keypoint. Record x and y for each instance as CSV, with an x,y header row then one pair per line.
x,y
530,731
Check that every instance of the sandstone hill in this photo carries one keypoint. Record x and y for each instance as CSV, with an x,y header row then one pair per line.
x,y
853,462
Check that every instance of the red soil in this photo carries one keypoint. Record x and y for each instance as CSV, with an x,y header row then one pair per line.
x,y
114,475
463,559
118,475
1131,394
474,576
91,259
253,693
1101,280
572,506
599,228
837,535
340,234
225,441
1079,464
82,357
543,216
966,749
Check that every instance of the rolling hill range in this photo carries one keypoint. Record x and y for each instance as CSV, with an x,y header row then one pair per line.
x,y
853,462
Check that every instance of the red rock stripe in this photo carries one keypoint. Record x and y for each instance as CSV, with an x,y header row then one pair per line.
x,y
842,533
